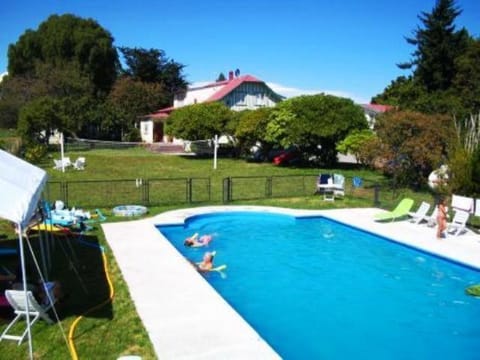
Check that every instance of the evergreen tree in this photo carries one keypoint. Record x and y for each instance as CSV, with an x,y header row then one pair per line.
x,y
66,41
153,66
438,44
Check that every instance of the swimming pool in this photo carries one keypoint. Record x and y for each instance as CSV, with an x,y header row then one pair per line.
x,y
314,288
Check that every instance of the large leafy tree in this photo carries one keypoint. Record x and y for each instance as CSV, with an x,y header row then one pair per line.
x,y
66,39
153,66
39,118
132,99
414,144
251,129
355,143
69,59
315,124
199,121
466,83
437,44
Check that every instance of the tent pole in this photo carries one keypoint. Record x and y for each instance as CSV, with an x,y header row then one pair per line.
x,y
61,151
25,290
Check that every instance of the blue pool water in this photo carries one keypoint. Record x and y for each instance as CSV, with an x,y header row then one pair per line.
x,y
317,289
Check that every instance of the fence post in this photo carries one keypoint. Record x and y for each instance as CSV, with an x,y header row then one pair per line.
x,y
227,194
376,194
189,190
209,187
64,187
146,192
268,187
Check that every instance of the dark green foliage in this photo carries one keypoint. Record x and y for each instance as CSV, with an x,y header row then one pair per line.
x,y
153,66
38,119
132,99
355,143
66,39
199,121
466,83
438,44
413,144
445,64
251,129
221,77
315,124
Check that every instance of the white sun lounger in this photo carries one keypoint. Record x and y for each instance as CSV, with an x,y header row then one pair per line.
x,y
459,222
421,214
21,306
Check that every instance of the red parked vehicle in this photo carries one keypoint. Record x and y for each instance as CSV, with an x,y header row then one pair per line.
x,y
286,157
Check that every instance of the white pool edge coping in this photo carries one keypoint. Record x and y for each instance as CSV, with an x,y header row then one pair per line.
x,y
187,319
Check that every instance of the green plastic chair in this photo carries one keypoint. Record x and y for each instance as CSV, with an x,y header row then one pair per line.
x,y
400,211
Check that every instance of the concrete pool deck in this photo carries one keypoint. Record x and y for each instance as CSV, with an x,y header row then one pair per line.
x,y
186,318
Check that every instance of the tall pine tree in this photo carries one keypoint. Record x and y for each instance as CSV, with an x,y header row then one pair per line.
x,y
438,44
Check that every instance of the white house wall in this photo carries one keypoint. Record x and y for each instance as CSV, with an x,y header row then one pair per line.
x,y
249,96
195,95
146,131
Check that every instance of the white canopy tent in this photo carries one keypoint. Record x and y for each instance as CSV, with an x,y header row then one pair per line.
x,y
21,186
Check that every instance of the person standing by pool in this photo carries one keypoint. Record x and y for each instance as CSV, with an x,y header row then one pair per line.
x,y
441,218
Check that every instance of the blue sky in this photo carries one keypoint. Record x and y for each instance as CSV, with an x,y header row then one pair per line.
x,y
346,47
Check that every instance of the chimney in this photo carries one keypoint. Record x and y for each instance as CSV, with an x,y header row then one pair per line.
x,y
230,75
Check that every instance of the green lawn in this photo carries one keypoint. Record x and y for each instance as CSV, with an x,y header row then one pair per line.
x,y
115,329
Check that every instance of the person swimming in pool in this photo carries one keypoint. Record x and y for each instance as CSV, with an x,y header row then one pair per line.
x,y
195,241
207,263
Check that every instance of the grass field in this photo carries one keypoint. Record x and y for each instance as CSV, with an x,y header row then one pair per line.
x,y
115,329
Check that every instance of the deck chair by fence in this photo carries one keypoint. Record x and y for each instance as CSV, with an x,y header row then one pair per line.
x,y
400,211
59,164
18,301
79,164
323,183
421,214
338,185
459,222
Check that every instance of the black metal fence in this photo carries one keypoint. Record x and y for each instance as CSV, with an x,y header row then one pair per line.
x,y
149,192
172,191
264,187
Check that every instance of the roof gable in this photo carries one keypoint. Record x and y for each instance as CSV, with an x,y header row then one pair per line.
x,y
232,85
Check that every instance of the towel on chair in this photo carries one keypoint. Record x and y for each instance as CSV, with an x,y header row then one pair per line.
x,y
463,203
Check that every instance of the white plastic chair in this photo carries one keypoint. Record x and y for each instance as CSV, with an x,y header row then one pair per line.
x,y
67,162
21,306
338,185
420,214
58,164
79,164
459,222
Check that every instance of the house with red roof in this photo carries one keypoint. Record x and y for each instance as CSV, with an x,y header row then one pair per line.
x,y
373,110
237,93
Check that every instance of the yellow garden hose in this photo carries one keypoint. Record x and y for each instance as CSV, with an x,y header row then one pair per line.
x,y
73,351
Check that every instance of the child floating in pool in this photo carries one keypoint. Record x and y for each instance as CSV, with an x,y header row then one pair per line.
x,y
195,241
207,263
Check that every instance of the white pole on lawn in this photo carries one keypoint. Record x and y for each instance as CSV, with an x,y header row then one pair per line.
x,y
61,151
25,290
215,148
